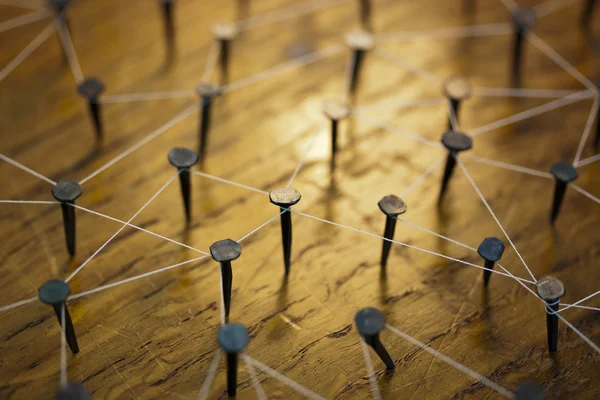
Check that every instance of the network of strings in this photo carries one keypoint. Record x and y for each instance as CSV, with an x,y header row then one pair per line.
x,y
563,98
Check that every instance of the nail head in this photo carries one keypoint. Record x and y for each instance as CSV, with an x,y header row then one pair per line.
x,y
90,88
207,89
524,19
529,391
550,289
285,197
181,157
67,190
54,292
491,249
392,205
336,109
457,141
369,321
59,5
73,391
225,250
233,338
457,88
564,172
224,30
359,40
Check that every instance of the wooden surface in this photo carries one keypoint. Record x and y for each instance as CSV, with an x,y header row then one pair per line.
x,y
154,338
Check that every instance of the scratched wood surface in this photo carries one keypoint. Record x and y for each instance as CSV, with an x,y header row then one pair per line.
x,y
154,338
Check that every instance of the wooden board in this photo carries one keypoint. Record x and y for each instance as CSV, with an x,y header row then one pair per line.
x,y
155,337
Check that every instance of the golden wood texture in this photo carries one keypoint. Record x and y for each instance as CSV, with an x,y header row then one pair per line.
x,y
154,338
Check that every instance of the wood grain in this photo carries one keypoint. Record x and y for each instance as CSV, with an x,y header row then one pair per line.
x,y
155,338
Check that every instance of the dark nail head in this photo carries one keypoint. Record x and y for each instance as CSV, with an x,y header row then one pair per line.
x,y
225,250
491,249
181,157
208,90
285,197
59,5
233,338
457,88
550,289
224,30
91,88
54,292
66,190
524,19
564,172
336,109
369,321
457,141
360,40
392,205
73,391
529,391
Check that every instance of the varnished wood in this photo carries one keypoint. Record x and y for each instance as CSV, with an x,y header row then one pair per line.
x,y
155,338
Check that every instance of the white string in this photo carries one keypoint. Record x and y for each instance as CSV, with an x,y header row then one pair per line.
x,y
583,192
142,142
511,5
586,131
260,393
65,38
282,378
453,119
18,304
425,174
138,228
256,230
479,378
123,227
403,64
580,301
130,97
550,6
588,161
400,104
296,63
453,32
211,60
542,46
26,52
412,247
305,154
210,376
578,306
518,92
512,167
216,178
572,98
24,19
285,13
222,299
24,168
462,166
134,278
63,349
581,335
391,129
28,202
372,376
436,234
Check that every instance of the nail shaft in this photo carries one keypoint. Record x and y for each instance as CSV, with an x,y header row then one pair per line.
x,y
169,24
559,194
448,171
183,159
390,227
96,118
552,327
454,108
204,125
232,364
286,237
375,343
186,193
587,13
487,273
68,213
227,275
68,328
334,136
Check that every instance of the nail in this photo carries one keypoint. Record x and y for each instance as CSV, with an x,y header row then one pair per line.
x,y
359,43
336,111
183,159
233,339
586,13
455,142
369,322
167,6
529,391
391,206
551,290
60,7
523,20
224,33
73,391
564,173
67,192
365,13
455,89
491,250
224,252
90,89
55,293
207,93
285,198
